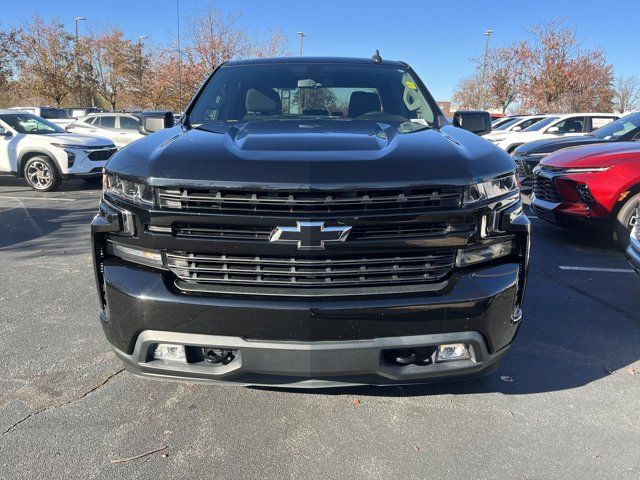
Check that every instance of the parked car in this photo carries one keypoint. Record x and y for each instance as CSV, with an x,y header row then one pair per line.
x,y
530,154
565,125
54,115
502,120
44,154
77,112
271,242
590,185
633,250
120,128
521,123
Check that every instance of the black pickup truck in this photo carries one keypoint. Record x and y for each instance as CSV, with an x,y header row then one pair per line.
x,y
312,222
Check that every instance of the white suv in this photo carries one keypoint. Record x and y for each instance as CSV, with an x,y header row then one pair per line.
x,y
120,128
54,115
45,154
560,125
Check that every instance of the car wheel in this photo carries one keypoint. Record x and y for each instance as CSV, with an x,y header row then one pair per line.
x,y
625,220
41,174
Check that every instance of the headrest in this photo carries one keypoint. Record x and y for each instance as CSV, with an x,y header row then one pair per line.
x,y
363,102
263,102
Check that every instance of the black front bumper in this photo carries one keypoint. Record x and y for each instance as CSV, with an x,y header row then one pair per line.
x,y
313,340
476,307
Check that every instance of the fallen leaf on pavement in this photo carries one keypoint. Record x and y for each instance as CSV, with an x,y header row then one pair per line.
x,y
355,402
632,371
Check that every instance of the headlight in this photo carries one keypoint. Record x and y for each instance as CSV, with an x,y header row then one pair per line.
x,y
479,192
583,170
127,190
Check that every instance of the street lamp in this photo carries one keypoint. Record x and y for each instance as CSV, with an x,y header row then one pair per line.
x,y
301,35
76,20
484,62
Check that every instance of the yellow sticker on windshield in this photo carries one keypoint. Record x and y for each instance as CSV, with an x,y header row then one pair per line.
x,y
410,85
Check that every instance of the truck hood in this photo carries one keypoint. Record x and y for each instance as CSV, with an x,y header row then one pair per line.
x,y
603,154
307,154
553,144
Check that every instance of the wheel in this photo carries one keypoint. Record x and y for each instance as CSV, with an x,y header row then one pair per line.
x,y
625,220
41,174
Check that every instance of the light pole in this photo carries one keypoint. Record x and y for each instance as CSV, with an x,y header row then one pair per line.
x,y
301,35
76,20
140,39
179,55
484,61
75,56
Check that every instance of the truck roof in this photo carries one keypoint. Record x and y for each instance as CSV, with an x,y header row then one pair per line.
x,y
345,60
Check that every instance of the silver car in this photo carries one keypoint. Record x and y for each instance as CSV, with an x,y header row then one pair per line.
x,y
120,128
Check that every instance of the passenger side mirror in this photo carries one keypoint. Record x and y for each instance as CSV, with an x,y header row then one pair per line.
x,y
151,121
516,129
5,133
475,121
553,130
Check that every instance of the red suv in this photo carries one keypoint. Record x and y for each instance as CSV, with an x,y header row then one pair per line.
x,y
597,184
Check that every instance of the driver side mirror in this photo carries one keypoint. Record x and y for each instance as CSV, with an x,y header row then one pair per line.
x,y
553,130
475,121
151,121
5,133
517,129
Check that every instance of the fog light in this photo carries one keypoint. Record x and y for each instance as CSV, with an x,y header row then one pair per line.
x,y
168,351
143,256
452,351
484,253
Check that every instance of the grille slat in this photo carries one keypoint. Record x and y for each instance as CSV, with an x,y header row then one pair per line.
x,y
309,202
544,188
369,232
285,271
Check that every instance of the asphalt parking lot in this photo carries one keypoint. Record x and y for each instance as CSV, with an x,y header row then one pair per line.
x,y
564,404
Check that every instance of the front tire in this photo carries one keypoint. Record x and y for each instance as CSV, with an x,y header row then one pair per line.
x,y
41,174
625,220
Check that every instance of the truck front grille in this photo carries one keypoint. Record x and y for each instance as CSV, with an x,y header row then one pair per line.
x,y
356,271
544,188
369,232
102,155
245,202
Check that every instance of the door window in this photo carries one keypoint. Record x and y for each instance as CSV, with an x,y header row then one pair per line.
x,y
128,123
108,121
597,122
571,125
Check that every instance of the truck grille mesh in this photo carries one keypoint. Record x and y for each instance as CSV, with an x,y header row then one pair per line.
x,y
303,272
545,189
301,202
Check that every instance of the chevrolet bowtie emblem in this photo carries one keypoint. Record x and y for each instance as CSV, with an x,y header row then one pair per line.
x,y
310,235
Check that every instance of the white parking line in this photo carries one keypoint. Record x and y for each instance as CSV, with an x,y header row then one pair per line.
x,y
594,269
42,199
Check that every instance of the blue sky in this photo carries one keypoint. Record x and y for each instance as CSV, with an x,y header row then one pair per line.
x,y
437,37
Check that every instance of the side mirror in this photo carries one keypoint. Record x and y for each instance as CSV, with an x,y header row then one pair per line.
x,y
5,133
475,121
553,130
153,121
517,129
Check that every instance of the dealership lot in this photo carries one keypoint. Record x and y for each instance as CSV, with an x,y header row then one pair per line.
x,y
565,402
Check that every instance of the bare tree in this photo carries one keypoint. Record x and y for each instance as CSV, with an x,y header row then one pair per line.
x,y
469,93
560,76
113,63
627,94
504,76
45,60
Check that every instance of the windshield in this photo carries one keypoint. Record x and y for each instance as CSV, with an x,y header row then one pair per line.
x,y
619,128
30,124
540,125
506,124
298,91
53,113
